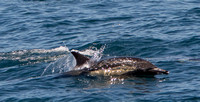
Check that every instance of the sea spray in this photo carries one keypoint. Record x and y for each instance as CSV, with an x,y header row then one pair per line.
x,y
67,63
61,65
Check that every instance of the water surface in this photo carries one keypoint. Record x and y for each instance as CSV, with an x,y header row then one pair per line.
x,y
167,33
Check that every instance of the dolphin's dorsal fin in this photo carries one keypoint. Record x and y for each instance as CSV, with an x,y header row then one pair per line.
x,y
80,59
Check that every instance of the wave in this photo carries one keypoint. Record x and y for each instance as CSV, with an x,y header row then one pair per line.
x,y
33,56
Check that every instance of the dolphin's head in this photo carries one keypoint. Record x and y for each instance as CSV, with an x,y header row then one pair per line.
x,y
144,67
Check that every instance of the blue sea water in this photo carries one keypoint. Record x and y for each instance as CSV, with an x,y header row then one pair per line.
x,y
36,35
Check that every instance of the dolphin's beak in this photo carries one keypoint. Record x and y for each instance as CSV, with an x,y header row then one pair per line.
x,y
159,71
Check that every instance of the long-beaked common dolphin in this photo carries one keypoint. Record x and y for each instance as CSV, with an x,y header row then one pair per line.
x,y
119,66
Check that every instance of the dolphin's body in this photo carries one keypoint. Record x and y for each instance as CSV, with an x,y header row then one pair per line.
x,y
120,66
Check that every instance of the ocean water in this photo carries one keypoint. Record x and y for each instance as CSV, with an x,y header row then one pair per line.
x,y
36,36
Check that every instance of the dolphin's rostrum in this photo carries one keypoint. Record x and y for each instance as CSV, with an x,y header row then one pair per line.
x,y
120,66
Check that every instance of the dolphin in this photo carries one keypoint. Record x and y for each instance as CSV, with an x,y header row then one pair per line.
x,y
118,66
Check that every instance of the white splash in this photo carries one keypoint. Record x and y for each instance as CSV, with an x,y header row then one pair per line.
x,y
94,53
61,65
33,56
68,62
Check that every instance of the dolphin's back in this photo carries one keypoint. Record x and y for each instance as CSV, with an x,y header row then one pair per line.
x,y
133,63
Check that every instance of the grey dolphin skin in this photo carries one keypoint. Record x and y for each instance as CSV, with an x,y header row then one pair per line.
x,y
120,66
